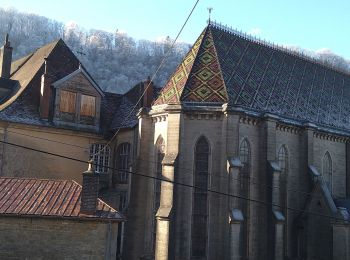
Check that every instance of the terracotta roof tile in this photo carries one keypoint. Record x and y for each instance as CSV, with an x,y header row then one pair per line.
x,y
48,198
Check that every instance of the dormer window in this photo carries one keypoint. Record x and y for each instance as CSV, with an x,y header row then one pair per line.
x,y
77,101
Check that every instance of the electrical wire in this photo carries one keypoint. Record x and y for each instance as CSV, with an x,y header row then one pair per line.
x,y
249,178
152,78
179,183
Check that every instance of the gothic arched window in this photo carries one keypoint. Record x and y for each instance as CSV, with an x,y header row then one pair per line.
x,y
200,198
327,170
159,155
283,159
122,163
244,154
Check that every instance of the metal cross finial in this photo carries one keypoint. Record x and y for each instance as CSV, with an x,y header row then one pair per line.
x,y
209,9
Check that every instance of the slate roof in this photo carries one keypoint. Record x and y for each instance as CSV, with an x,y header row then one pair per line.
x,y
24,70
48,198
126,111
7,86
20,100
226,67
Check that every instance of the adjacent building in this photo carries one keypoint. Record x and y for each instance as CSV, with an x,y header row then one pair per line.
x,y
56,219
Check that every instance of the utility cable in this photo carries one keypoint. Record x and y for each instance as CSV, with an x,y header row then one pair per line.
x,y
178,183
151,80
249,178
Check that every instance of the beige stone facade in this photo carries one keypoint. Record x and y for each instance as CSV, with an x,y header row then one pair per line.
x,y
268,236
20,162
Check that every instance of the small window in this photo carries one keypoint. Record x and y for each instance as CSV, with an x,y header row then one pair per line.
x,y
87,106
327,170
100,154
283,159
244,155
67,101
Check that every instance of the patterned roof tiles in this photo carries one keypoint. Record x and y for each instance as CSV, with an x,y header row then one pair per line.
x,y
48,198
227,67
172,91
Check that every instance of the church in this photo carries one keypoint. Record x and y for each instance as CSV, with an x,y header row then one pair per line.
x,y
243,154
251,141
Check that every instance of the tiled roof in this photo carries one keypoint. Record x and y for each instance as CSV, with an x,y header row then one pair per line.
x,y
26,68
125,116
261,78
48,198
109,109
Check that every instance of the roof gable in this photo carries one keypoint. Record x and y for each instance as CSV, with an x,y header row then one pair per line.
x,y
81,71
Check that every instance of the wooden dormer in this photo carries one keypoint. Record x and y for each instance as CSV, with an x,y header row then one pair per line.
x,y
77,101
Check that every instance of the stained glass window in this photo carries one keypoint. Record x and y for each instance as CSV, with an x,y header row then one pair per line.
x,y
200,199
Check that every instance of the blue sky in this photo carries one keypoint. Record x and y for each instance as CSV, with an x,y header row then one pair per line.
x,y
310,24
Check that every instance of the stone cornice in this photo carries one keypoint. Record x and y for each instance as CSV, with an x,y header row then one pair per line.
x,y
288,128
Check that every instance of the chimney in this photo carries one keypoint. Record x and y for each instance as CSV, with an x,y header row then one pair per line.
x,y
5,59
148,96
89,193
45,91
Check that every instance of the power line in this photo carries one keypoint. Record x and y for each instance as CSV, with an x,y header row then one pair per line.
x,y
152,78
178,183
46,139
249,178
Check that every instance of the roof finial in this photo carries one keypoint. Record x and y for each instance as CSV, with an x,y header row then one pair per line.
x,y
209,10
6,38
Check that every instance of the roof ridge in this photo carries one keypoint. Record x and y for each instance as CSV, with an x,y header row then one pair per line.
x,y
266,43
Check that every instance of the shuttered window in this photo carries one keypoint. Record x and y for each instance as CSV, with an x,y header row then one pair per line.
x,y
67,101
87,105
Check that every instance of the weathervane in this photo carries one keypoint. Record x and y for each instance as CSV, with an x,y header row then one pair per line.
x,y
209,9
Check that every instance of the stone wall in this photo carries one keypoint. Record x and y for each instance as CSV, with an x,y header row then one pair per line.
x,y
225,132
39,238
20,162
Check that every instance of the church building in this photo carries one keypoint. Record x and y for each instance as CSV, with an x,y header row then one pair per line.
x,y
251,143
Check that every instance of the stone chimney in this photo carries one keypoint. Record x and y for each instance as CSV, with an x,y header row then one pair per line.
x,y
89,193
5,59
45,91
148,96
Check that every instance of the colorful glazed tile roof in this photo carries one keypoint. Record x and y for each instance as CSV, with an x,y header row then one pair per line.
x,y
198,77
48,198
227,67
